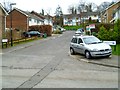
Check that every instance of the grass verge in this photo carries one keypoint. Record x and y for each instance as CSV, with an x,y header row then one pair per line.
x,y
116,49
21,41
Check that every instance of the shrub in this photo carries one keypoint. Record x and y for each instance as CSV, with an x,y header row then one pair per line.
x,y
111,34
42,28
72,27
107,26
94,34
116,33
87,32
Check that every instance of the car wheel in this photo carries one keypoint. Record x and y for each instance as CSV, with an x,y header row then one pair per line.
x,y
38,35
29,35
72,52
87,55
108,56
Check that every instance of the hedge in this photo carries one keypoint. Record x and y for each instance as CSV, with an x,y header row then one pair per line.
x,y
42,29
110,34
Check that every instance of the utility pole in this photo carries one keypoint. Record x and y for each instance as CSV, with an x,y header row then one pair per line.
x,y
11,23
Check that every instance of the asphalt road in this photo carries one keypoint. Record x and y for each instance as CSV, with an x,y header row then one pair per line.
x,y
47,63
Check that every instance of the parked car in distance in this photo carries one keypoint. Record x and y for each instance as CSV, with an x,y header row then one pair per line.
x,y
32,33
90,46
80,31
58,28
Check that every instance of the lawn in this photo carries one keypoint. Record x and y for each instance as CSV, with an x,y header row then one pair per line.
x,y
117,50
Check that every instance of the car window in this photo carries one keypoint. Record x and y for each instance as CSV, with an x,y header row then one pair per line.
x,y
80,41
91,40
74,40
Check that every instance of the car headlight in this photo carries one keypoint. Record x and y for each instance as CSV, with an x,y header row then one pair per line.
x,y
94,50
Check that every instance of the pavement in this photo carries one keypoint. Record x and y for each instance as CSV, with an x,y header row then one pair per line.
x,y
112,61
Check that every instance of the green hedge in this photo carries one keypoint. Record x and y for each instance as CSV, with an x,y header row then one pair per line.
x,y
111,34
72,27
42,28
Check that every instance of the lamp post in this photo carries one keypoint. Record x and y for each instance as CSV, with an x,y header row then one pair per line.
x,y
11,23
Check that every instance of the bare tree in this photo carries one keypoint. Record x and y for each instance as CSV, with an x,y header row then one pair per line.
x,y
7,5
103,6
58,11
58,16
81,6
90,7
72,9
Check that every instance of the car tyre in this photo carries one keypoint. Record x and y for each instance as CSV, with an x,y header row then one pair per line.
x,y
108,56
29,35
87,55
39,35
72,52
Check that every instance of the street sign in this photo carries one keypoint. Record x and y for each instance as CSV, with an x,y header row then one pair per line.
x,y
92,26
87,28
110,42
4,40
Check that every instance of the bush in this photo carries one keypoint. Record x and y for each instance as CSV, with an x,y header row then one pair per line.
x,y
103,34
107,26
94,34
111,34
72,27
42,28
87,32
116,33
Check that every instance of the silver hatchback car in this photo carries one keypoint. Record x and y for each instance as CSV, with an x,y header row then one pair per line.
x,y
90,46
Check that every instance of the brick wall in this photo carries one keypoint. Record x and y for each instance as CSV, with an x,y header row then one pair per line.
x,y
110,12
19,21
2,23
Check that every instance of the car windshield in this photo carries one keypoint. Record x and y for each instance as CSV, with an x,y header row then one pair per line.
x,y
34,32
80,30
91,40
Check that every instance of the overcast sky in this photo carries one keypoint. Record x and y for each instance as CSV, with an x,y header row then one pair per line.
x,y
48,5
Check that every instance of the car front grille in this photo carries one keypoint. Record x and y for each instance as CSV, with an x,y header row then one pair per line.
x,y
104,50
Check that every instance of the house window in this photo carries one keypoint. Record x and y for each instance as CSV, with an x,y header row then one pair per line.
x,y
66,22
34,20
38,21
29,19
113,15
95,15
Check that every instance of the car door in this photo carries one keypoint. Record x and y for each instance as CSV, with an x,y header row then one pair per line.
x,y
80,46
74,44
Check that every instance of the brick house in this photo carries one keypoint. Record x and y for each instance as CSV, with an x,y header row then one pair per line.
x,y
116,15
108,14
3,15
21,20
